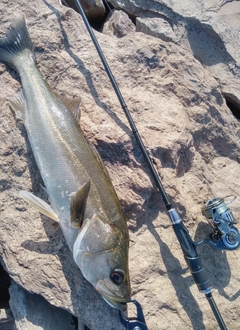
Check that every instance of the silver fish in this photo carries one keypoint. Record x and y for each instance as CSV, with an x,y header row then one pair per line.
x,y
80,191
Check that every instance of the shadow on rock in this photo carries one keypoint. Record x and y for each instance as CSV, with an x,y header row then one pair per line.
x,y
176,273
113,152
180,283
215,262
206,44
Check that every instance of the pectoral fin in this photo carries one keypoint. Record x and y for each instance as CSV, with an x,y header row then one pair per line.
x,y
78,204
39,204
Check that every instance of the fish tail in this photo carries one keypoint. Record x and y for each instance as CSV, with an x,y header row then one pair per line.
x,y
16,40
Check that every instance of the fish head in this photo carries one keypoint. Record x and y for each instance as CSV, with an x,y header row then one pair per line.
x,y
101,253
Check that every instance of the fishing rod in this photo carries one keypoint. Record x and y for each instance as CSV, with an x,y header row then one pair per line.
x,y
225,236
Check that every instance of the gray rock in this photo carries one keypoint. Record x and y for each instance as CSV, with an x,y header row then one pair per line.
x,y
156,26
33,312
209,30
118,24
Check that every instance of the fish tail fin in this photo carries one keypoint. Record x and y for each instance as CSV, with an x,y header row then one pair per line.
x,y
16,40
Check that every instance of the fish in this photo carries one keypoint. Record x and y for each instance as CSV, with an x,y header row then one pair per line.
x,y
80,192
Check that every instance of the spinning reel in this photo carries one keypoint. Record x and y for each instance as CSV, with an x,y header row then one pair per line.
x,y
225,235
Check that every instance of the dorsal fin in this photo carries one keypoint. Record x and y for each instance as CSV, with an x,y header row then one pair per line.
x,y
78,204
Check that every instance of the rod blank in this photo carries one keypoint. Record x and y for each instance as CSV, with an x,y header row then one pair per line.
x,y
185,241
125,108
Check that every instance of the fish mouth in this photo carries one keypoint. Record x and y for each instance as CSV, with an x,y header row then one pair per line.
x,y
111,298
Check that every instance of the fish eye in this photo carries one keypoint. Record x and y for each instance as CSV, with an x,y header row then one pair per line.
x,y
117,276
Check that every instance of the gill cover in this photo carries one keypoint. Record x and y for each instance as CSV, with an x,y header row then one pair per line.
x,y
102,255
96,236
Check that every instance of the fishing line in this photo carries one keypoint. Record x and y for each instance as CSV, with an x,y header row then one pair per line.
x,y
227,239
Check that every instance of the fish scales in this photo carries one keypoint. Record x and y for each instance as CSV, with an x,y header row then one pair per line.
x,y
62,152
79,189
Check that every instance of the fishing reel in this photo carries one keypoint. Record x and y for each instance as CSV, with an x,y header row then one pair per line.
x,y
225,235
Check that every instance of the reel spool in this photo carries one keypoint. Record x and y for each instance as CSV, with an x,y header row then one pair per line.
x,y
226,235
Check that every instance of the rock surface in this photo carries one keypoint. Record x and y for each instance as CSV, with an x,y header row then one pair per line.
x,y
118,24
32,312
6,319
192,137
208,29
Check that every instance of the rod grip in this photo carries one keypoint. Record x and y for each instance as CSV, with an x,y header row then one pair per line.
x,y
199,274
190,253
